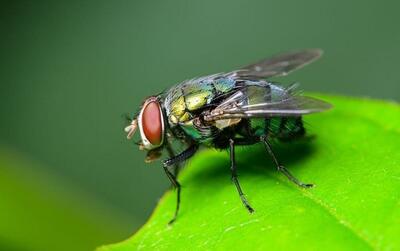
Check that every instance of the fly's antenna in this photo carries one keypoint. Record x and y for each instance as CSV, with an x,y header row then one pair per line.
x,y
127,118
131,129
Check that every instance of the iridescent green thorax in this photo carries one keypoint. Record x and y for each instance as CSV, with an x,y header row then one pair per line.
x,y
187,99
190,96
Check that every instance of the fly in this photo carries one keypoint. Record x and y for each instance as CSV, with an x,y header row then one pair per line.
x,y
225,110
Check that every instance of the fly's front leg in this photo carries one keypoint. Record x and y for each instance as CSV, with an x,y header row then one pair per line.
x,y
174,161
171,154
235,177
282,168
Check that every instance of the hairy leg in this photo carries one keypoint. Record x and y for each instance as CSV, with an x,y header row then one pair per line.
x,y
174,161
282,168
235,178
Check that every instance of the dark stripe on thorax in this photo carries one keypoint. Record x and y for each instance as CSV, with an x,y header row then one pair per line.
x,y
214,90
184,100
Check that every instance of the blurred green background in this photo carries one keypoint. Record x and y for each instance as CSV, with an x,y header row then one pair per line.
x,y
69,70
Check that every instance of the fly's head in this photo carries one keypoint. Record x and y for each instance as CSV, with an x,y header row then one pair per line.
x,y
151,125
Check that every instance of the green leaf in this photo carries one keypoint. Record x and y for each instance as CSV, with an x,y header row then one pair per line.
x,y
39,212
354,161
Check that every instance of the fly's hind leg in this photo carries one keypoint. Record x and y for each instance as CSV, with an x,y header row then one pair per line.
x,y
235,177
282,168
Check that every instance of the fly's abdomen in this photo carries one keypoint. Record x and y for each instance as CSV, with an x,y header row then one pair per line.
x,y
284,128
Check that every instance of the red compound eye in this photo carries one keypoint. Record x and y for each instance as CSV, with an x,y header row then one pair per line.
x,y
151,123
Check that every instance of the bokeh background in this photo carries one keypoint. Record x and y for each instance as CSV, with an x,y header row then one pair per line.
x,y
70,70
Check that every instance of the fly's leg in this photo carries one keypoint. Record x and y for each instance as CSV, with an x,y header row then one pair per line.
x,y
174,161
176,184
280,167
182,156
235,178
171,154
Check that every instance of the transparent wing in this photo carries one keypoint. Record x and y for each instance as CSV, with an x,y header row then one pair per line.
x,y
279,65
265,101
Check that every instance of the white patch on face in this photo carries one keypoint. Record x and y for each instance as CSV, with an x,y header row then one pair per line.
x,y
131,129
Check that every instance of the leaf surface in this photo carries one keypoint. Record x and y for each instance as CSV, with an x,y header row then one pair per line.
x,y
354,161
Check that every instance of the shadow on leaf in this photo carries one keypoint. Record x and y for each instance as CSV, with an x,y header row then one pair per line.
x,y
250,160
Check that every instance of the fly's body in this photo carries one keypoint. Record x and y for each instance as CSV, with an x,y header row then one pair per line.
x,y
186,102
224,110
